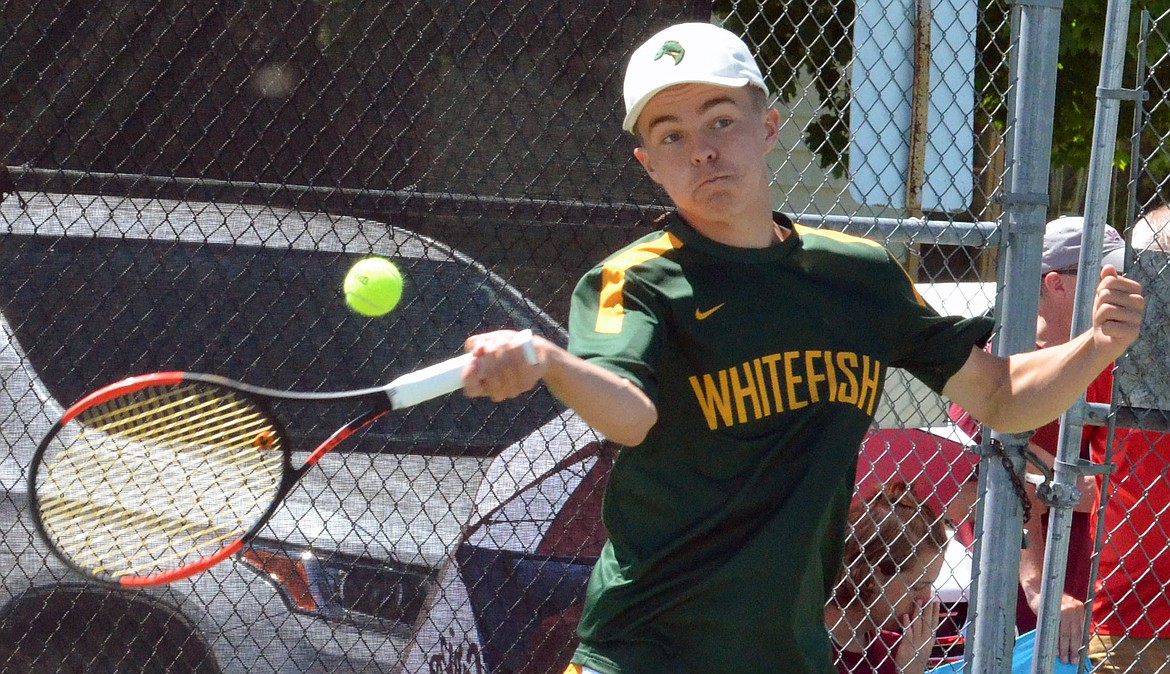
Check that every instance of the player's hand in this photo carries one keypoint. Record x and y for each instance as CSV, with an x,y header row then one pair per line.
x,y
502,368
917,641
1117,311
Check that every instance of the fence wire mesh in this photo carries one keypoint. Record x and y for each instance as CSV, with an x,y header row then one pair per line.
x,y
190,181
1130,618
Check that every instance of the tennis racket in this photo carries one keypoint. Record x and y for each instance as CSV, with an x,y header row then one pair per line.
x,y
161,476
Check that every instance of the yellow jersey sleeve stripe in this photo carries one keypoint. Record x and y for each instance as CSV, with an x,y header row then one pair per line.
x,y
610,310
849,238
834,235
918,296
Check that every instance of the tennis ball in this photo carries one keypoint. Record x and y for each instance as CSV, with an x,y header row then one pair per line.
x,y
373,286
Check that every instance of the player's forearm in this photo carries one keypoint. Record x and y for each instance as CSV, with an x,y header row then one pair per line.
x,y
1044,383
611,404
1031,389
1027,390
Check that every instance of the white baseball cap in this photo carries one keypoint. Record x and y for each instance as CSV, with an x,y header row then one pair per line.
x,y
686,52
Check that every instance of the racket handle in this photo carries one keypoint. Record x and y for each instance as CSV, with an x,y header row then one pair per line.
x,y
524,339
443,378
429,382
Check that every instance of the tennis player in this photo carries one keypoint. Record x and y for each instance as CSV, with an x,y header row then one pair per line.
x,y
739,357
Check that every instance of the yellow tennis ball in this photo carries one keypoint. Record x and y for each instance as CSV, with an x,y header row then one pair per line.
x,y
373,286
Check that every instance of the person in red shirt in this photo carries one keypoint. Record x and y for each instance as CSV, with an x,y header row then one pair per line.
x,y
1131,609
883,614
1059,260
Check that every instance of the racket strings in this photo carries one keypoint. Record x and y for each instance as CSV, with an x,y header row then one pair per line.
x,y
151,481
185,416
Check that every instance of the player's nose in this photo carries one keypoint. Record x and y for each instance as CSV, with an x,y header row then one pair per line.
x,y
703,151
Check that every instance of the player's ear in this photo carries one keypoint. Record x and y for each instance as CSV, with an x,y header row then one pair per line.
x,y
772,125
644,160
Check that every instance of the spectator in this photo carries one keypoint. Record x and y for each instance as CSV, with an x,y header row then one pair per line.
x,y
883,614
1122,560
1058,268
1131,610
1059,263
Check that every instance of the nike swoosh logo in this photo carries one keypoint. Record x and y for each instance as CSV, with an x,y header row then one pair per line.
x,y
703,315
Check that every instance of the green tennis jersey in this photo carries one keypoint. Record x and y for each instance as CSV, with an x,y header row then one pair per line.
x,y
726,524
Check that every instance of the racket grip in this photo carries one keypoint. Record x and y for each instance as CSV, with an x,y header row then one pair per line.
x,y
429,382
524,339
443,378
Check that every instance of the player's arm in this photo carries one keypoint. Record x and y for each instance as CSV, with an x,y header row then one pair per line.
x,y
1030,389
609,403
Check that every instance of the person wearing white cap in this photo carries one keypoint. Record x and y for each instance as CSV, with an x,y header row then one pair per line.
x,y
1059,265
739,357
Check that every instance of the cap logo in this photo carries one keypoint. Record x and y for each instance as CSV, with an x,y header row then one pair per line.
x,y
672,49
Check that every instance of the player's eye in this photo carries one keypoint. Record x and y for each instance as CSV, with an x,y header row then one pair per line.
x,y
671,138
723,122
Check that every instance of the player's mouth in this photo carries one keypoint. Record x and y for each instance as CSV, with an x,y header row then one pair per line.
x,y
714,181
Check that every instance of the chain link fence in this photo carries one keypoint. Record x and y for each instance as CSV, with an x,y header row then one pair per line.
x,y
1132,517
188,182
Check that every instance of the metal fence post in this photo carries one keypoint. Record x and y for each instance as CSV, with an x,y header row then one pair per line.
x,y
1109,95
1035,37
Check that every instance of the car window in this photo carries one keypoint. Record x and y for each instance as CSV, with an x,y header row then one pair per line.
x,y
270,316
